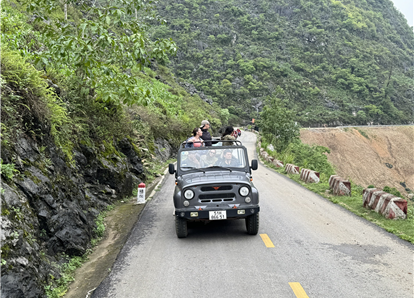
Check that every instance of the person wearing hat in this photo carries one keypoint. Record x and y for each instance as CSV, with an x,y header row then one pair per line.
x,y
205,126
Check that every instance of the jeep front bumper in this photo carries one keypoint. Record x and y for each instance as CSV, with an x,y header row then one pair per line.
x,y
204,214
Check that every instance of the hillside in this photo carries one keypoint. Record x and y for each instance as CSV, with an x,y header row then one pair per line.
x,y
336,62
379,156
82,124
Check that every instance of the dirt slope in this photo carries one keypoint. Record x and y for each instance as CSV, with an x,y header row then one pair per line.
x,y
362,153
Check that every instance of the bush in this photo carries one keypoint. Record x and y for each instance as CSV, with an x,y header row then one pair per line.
x,y
309,157
28,95
7,170
392,191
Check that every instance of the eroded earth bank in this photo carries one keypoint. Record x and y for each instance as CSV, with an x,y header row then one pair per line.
x,y
379,156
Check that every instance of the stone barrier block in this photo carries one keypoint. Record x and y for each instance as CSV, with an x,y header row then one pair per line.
x,y
388,205
292,169
339,186
277,163
309,176
270,158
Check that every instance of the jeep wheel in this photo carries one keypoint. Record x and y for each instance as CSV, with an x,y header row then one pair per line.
x,y
252,224
181,227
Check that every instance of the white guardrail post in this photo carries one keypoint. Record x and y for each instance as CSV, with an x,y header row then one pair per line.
x,y
141,194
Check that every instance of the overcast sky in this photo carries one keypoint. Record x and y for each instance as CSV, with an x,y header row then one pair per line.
x,y
407,8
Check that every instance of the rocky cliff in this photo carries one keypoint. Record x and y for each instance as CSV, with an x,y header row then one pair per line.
x,y
49,207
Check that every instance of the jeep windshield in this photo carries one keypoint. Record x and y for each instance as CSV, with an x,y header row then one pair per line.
x,y
211,157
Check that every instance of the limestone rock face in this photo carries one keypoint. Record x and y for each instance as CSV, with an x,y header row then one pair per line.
x,y
192,90
50,206
163,149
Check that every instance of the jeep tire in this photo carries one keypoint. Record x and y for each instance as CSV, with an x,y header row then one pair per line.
x,y
252,224
181,227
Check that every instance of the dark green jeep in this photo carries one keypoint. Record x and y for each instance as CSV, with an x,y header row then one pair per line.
x,y
215,183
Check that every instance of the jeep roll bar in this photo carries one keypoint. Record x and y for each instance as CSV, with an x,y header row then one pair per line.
x,y
235,142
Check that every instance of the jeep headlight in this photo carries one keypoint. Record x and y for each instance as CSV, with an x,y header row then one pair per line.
x,y
244,191
189,194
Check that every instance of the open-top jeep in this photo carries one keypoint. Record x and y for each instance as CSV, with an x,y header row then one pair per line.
x,y
215,183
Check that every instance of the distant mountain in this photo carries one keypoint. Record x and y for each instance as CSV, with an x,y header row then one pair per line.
x,y
336,62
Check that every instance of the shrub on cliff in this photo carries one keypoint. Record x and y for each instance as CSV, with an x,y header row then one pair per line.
x,y
26,98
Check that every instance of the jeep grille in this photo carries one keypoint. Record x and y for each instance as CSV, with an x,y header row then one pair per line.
x,y
214,198
214,188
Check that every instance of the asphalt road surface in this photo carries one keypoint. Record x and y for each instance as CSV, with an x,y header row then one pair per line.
x,y
306,247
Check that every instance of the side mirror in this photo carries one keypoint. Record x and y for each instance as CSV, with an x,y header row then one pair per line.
x,y
171,168
254,164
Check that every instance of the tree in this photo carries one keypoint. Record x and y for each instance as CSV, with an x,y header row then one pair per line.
x,y
277,123
224,115
103,47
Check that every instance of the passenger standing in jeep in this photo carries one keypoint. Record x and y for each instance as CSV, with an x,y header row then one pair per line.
x,y
227,138
196,140
205,126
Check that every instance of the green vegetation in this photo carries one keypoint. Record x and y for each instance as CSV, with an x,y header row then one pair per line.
x,y
392,191
67,271
101,44
277,123
26,98
279,129
304,155
363,133
346,61
7,170
81,85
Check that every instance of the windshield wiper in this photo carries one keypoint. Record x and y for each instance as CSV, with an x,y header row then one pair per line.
x,y
215,167
194,168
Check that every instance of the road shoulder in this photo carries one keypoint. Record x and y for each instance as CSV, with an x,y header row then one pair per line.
x,y
118,225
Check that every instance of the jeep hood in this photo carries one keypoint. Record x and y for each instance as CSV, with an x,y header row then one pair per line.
x,y
216,176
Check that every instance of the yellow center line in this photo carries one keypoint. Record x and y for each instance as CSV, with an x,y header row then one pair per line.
x,y
298,290
267,240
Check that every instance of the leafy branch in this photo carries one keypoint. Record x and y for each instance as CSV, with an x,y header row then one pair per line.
x,y
103,47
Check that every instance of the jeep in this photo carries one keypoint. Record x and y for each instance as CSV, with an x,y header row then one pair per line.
x,y
214,183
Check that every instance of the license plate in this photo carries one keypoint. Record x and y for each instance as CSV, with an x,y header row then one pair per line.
x,y
217,215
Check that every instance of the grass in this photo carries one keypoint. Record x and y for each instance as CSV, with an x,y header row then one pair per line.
x,y
363,133
67,271
404,229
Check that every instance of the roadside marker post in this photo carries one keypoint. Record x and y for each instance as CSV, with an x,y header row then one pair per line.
x,y
141,194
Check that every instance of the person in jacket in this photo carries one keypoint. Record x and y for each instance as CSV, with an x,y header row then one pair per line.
x,y
227,136
205,126
228,160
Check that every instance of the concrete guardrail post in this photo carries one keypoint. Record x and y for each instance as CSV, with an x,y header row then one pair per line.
x,y
339,186
388,205
291,169
309,176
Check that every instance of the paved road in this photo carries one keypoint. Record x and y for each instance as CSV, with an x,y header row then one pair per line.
x,y
320,250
